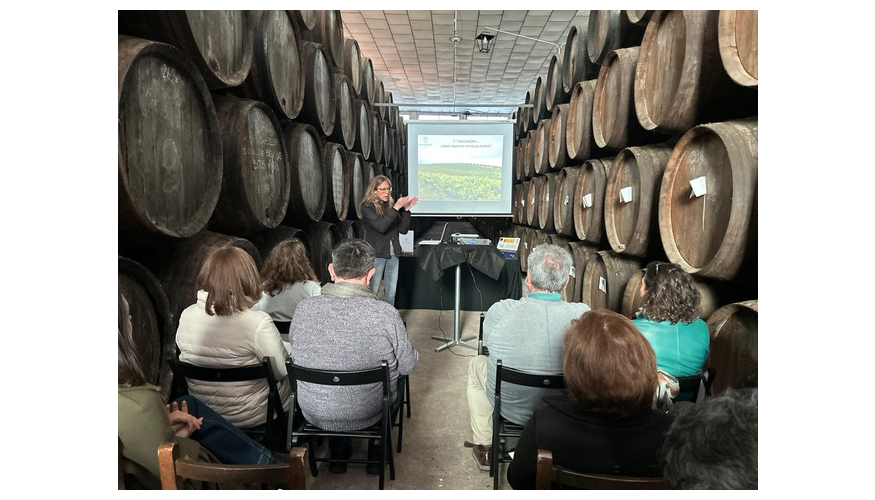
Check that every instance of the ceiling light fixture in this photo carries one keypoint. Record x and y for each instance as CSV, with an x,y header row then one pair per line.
x,y
558,47
484,42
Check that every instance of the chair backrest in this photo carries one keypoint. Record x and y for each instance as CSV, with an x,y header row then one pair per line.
x,y
549,473
480,337
282,326
695,387
175,470
505,374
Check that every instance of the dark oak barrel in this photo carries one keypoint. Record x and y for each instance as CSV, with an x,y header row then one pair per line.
x,y
522,216
563,202
734,344
277,76
576,66
581,252
631,223
532,197
362,128
348,229
515,206
639,17
169,143
739,45
579,142
541,154
632,296
319,97
525,118
391,112
605,279
368,83
609,30
519,160
309,180
556,93
376,137
385,139
352,64
266,240
218,42
711,235
181,262
345,116
323,236
339,175
256,181
680,80
378,98
153,334
357,187
306,20
539,101
369,170
614,124
591,183
329,32
545,202
556,149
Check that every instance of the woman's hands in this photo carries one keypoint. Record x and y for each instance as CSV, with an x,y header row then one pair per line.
x,y
411,203
182,422
405,203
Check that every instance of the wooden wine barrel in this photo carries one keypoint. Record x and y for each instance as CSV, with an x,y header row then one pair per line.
x,y
338,192
734,343
545,202
541,155
738,39
590,189
357,188
557,152
323,236
632,199
277,76
391,112
605,279
680,80
379,98
555,94
519,166
576,65
265,241
525,118
218,42
579,141
614,125
523,249
329,32
169,143
348,229
581,252
639,17
523,216
515,205
384,139
532,201
632,296
369,171
376,137
352,64
362,128
255,181
563,202
319,98
182,261
306,21
609,30
153,334
367,90
344,118
539,101
309,180
709,235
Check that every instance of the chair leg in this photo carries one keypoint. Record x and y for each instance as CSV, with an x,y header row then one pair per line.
x,y
407,398
311,452
391,458
400,426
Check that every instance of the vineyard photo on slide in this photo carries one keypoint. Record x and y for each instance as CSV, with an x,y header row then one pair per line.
x,y
460,168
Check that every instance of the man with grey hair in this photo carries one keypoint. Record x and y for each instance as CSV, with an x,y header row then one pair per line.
x,y
526,335
347,328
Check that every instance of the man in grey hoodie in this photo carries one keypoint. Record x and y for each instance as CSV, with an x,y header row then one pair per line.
x,y
347,328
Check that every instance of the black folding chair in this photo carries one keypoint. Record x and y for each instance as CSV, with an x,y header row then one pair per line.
x,y
696,387
501,428
550,473
301,430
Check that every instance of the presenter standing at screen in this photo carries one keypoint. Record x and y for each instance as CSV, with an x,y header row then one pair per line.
x,y
384,219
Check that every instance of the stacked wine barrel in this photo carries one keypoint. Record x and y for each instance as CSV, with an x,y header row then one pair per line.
x,y
241,128
642,138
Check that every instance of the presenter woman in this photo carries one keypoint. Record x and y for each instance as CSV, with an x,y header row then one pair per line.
x,y
384,219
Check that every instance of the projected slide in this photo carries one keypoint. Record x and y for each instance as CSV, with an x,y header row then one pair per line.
x,y
460,167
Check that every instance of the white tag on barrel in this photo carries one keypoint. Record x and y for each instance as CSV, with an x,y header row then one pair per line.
x,y
626,194
699,188
603,285
566,199
572,272
587,200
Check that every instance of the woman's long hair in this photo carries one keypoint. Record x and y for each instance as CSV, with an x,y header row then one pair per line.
x,y
671,294
129,371
231,280
286,265
371,195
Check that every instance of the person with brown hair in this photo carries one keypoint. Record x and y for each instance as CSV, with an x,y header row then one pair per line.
x,y
221,331
145,422
288,279
669,320
384,219
606,424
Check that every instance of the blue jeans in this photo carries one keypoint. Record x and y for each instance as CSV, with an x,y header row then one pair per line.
x,y
224,440
391,267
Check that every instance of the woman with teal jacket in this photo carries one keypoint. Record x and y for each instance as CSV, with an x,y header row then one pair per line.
x,y
669,320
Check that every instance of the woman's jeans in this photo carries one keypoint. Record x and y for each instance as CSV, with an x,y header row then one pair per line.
x,y
224,440
391,267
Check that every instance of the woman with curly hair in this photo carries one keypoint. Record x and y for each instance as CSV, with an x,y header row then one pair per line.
x,y
288,279
669,320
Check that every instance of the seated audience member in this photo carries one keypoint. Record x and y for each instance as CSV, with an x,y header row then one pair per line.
x,y
669,320
221,331
288,279
712,445
144,423
606,424
347,328
526,335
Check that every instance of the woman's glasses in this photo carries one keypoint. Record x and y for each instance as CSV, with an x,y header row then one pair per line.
x,y
383,189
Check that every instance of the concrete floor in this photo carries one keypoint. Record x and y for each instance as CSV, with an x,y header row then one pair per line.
x,y
433,456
